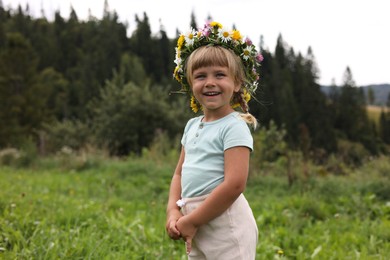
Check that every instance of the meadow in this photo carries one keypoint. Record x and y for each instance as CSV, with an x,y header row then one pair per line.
x,y
95,208
374,113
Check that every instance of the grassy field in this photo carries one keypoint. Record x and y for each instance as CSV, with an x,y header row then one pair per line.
x,y
374,113
116,210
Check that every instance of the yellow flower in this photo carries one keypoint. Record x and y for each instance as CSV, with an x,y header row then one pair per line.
x,y
213,24
180,41
194,105
236,35
177,74
235,105
280,252
247,96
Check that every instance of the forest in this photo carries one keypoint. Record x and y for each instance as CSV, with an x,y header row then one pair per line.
x,y
77,84
90,132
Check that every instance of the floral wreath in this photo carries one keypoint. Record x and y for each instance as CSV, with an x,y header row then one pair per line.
x,y
213,33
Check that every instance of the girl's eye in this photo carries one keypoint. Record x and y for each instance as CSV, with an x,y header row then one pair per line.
x,y
220,75
199,76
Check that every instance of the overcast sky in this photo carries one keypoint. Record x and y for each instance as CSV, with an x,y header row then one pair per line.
x,y
341,33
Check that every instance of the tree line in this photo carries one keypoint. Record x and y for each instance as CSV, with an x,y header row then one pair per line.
x,y
71,82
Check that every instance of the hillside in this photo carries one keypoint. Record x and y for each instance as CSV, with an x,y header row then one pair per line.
x,y
381,92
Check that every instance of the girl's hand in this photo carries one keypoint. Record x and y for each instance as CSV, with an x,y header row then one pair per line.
x,y
187,230
170,226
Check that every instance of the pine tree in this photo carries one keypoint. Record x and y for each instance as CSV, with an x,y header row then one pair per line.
x,y
141,43
370,96
22,97
193,21
352,118
3,19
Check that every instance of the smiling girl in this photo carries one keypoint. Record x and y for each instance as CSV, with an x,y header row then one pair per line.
x,y
206,206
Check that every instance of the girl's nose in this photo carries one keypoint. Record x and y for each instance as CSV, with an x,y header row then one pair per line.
x,y
210,82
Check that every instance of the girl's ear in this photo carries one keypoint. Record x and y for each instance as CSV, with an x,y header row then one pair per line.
x,y
237,87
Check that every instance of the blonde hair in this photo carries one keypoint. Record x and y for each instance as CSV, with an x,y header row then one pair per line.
x,y
211,55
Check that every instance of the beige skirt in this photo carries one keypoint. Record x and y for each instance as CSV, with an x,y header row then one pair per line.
x,y
232,235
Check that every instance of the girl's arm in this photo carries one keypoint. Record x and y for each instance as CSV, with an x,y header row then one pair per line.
x,y
222,197
173,211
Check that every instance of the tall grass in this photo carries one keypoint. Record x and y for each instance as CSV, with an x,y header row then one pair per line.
x,y
115,209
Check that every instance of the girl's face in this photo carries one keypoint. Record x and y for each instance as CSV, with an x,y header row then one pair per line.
x,y
213,87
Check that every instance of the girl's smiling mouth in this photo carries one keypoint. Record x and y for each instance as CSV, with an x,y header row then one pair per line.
x,y
211,93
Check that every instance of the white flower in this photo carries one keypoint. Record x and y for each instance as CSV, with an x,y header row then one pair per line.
x,y
224,35
189,37
177,61
247,52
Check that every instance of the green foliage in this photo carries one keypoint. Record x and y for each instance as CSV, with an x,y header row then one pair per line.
x,y
352,153
58,92
269,144
126,118
163,149
67,133
384,123
24,157
352,118
130,69
22,97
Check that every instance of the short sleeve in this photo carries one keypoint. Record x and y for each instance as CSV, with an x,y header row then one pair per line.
x,y
237,134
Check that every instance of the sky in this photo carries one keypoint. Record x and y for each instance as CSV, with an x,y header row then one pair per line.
x,y
341,33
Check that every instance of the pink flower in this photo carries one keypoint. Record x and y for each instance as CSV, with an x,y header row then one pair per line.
x,y
248,41
259,57
206,30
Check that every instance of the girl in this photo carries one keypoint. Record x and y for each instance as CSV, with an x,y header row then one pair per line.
x,y
206,206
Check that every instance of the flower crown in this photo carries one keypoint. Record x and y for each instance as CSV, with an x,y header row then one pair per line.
x,y
214,33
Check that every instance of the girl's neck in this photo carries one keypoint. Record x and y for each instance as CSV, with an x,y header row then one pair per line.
x,y
212,115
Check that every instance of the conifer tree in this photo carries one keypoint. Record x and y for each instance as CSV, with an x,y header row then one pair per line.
x,y
22,97
3,18
370,96
193,21
352,118
141,43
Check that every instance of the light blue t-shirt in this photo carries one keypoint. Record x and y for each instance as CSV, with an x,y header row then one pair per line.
x,y
204,144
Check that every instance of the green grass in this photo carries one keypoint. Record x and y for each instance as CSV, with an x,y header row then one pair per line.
x,y
116,210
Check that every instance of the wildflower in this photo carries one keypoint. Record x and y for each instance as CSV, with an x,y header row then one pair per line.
x,y
248,41
216,24
194,105
190,37
224,35
180,41
246,53
236,35
177,60
176,73
205,31
259,57
247,96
